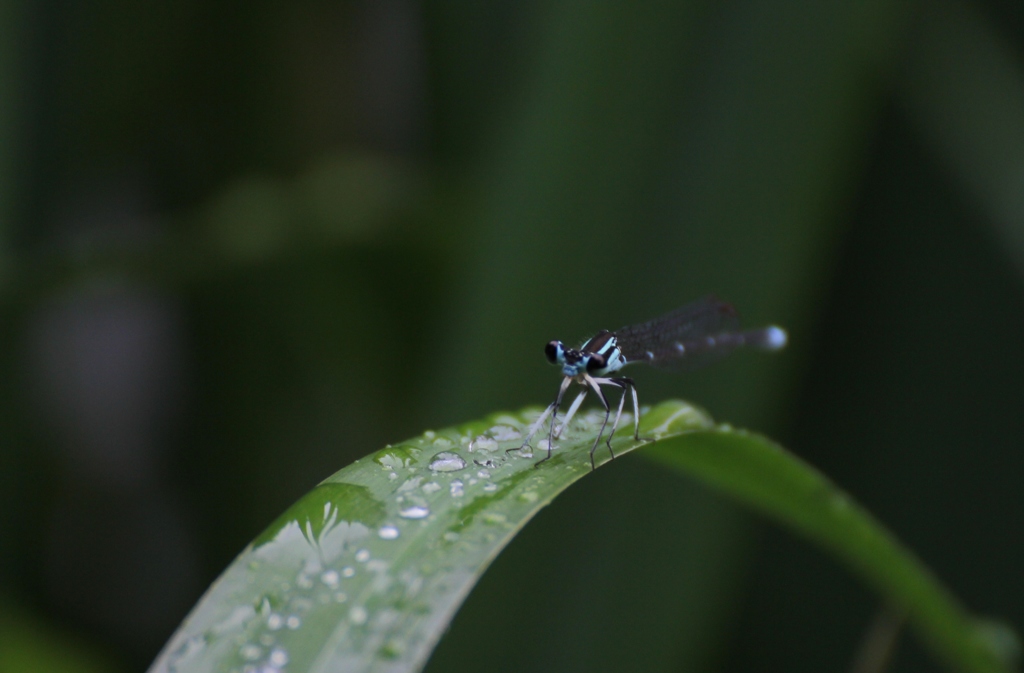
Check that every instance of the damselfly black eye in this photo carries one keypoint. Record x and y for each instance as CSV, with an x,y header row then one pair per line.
x,y
552,350
596,363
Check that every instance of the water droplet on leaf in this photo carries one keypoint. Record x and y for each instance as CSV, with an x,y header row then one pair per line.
x,y
278,657
503,433
358,615
485,444
414,512
447,461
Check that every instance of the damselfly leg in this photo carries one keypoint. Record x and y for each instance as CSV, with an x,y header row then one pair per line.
x,y
590,384
552,410
593,383
627,387
573,408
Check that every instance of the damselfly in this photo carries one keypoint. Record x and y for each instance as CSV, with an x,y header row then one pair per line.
x,y
690,337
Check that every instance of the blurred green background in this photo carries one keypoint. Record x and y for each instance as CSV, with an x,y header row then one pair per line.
x,y
243,244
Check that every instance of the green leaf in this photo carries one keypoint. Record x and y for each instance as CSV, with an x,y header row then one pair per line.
x,y
366,571
763,475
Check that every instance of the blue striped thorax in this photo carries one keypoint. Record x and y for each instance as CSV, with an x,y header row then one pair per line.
x,y
599,356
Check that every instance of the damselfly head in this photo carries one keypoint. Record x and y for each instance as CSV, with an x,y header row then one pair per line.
x,y
555,351
572,361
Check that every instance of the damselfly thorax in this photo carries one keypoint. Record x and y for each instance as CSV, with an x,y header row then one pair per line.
x,y
690,337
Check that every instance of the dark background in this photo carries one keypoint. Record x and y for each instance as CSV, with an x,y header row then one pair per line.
x,y
245,243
